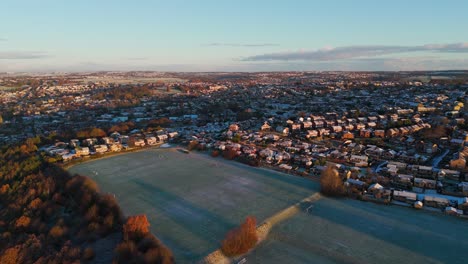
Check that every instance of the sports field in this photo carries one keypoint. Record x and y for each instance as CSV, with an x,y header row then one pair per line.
x,y
192,200
351,231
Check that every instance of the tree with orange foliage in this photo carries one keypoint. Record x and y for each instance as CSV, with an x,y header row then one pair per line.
x,y
192,145
230,153
4,189
330,182
241,239
10,256
136,227
23,221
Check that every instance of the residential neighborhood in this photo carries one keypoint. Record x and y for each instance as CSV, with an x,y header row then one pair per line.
x,y
396,139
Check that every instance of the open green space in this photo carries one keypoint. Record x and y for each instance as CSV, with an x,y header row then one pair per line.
x,y
351,231
192,200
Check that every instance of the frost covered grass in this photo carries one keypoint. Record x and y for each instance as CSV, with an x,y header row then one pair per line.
x,y
351,231
192,200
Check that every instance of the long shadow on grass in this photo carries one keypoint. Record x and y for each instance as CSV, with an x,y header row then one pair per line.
x,y
276,176
430,238
198,221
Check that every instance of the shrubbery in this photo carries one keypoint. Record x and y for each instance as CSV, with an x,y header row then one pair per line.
x,y
331,183
48,215
139,245
241,239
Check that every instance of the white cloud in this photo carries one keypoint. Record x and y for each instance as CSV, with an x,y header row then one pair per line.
x,y
22,55
247,45
350,52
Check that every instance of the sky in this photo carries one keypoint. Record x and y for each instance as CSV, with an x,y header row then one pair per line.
x,y
234,35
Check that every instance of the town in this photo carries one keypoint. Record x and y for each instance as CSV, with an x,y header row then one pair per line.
x,y
397,138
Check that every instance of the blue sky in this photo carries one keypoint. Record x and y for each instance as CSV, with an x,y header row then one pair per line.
x,y
231,35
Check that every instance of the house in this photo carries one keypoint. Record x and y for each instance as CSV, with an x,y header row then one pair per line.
x,y
365,133
348,135
360,185
295,126
151,141
68,157
75,143
139,143
337,129
348,127
404,196
452,211
449,174
266,153
272,137
234,127
283,130
173,134
116,147
265,127
389,155
84,151
90,142
324,132
425,183
436,201
360,126
307,124
379,133
100,148
162,138
312,133
392,132
404,180
359,161
376,187
107,140
463,187
319,124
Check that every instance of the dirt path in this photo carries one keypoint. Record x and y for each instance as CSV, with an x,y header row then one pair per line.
x,y
217,257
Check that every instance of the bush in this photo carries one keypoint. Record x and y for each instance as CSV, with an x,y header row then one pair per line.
x,y
331,183
10,256
23,222
240,240
230,154
136,227
57,232
88,254
192,145
125,251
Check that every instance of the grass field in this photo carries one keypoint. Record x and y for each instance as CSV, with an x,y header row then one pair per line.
x,y
192,200
351,231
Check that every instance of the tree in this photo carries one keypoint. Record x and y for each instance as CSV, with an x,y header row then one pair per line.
x,y
97,132
229,153
241,239
192,145
330,182
136,227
